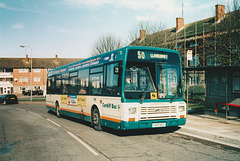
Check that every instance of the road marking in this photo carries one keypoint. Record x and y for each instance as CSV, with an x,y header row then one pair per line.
x,y
83,143
54,122
34,113
21,109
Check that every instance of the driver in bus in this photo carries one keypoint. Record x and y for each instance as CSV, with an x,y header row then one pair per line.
x,y
128,83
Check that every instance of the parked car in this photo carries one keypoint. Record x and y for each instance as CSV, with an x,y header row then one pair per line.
x,y
39,92
8,98
29,92
24,92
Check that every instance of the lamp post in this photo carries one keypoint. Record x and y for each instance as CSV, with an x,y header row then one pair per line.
x,y
22,46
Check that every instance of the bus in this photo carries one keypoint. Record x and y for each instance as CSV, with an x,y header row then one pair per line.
x,y
129,88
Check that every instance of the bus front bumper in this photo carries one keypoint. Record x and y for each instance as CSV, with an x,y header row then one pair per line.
x,y
127,125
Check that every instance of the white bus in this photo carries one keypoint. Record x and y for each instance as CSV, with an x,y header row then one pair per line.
x,y
129,88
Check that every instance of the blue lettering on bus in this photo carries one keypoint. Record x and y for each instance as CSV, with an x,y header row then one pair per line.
x,y
78,65
110,105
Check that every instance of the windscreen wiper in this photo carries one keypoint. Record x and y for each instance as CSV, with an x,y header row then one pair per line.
x,y
171,99
143,96
179,87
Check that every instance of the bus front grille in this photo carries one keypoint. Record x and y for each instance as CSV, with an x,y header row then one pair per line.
x,y
159,112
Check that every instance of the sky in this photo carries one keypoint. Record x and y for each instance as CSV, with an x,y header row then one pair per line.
x,y
69,28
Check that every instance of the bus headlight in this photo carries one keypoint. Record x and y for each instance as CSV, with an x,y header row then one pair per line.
x,y
181,108
132,110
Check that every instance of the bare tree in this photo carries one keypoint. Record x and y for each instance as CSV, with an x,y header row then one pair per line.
x,y
105,44
151,27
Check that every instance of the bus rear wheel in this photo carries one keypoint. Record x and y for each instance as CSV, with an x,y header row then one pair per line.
x,y
96,121
58,114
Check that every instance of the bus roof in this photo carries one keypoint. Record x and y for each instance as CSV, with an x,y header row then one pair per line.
x,y
111,56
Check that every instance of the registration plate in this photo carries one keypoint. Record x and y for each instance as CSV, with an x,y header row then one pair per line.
x,y
12,98
159,125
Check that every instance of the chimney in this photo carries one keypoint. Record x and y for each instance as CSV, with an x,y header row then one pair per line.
x,y
220,12
27,60
142,34
179,23
56,59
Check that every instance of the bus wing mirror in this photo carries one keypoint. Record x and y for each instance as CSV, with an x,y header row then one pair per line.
x,y
116,70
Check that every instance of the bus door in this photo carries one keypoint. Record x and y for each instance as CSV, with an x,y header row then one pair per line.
x,y
169,84
112,100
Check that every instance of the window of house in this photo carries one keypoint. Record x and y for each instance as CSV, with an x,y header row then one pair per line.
x,y
194,44
9,70
36,79
23,79
194,61
23,70
236,82
23,88
36,70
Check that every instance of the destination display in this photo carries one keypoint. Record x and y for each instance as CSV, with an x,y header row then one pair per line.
x,y
150,55
153,56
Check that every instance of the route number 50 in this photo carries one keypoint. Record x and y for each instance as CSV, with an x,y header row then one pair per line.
x,y
141,55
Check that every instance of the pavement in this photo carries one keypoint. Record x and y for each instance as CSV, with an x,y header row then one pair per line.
x,y
213,128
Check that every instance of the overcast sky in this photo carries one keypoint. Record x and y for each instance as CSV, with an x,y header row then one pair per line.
x,y
69,28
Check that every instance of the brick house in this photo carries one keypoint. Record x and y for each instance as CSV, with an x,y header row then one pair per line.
x,y
15,73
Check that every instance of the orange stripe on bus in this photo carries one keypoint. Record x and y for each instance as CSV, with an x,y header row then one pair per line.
x,y
88,114
50,105
74,111
110,119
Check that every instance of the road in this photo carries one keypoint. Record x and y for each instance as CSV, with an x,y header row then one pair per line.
x,y
30,132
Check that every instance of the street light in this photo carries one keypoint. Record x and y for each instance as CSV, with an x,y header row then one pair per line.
x,y
22,46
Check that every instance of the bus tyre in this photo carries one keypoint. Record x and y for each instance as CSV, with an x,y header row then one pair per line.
x,y
58,114
96,121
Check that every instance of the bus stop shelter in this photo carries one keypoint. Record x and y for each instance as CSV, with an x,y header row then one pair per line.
x,y
221,88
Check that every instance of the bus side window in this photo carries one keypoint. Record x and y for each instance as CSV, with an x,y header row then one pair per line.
x,y
112,80
65,83
83,77
58,84
96,83
49,87
96,79
73,83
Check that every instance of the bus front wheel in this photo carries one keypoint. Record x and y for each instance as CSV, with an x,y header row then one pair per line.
x,y
96,121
